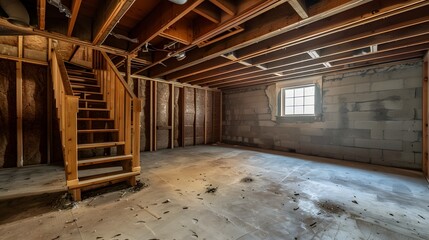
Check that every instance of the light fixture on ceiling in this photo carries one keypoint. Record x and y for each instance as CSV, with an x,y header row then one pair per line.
x,y
180,2
180,56
17,13
63,8
313,54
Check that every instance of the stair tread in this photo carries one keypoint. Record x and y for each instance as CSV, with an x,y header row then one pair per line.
x,y
92,100
77,65
94,109
82,78
99,145
97,130
88,92
103,159
92,180
95,119
84,85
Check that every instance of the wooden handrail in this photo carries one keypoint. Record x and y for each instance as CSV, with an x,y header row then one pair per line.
x,y
118,74
63,72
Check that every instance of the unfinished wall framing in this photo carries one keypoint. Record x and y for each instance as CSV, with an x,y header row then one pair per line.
x,y
177,115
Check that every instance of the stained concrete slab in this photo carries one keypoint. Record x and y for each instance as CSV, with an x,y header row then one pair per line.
x,y
227,192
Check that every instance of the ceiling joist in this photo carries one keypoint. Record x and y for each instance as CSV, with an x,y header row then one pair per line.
x,y
300,7
74,14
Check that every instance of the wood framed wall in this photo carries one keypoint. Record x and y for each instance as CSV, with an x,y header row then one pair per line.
x,y
180,133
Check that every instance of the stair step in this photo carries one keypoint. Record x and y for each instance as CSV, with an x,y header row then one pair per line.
x,y
93,180
77,78
94,109
95,119
97,130
78,71
72,64
82,85
92,100
87,92
99,145
104,159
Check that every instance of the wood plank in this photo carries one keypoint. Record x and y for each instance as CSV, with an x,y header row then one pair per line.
x,y
208,11
19,134
108,17
220,116
195,116
151,113
74,12
172,114
103,179
103,159
100,145
118,75
183,106
205,117
425,116
252,35
300,7
41,5
181,32
162,17
155,114
137,109
226,6
70,136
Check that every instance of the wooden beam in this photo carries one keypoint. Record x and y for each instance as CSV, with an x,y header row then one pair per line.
x,y
172,114
226,5
158,20
41,5
19,132
208,11
155,114
195,116
72,20
181,32
369,60
128,71
57,36
108,17
151,124
183,107
205,117
269,26
300,7
49,97
220,116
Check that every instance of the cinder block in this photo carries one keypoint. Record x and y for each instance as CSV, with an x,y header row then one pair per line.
x,y
387,85
418,157
312,131
376,133
267,123
392,156
393,134
413,83
361,116
415,125
379,144
410,136
339,90
407,157
363,87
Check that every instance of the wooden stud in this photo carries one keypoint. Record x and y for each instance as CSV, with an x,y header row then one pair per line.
x,y
128,70
195,116
208,11
183,107
42,13
49,97
226,5
172,115
155,113
19,132
425,157
220,117
151,116
205,117
137,109
72,20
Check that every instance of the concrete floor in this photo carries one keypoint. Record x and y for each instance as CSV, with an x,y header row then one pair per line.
x,y
259,195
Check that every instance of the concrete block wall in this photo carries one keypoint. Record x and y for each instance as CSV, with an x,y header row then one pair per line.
x,y
372,115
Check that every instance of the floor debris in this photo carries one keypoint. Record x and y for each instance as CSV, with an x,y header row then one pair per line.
x,y
211,189
247,180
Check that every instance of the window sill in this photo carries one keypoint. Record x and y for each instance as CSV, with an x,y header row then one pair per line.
x,y
299,119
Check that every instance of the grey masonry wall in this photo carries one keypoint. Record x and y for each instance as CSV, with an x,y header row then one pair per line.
x,y
371,115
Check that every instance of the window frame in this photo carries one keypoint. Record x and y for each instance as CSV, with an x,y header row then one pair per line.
x,y
283,100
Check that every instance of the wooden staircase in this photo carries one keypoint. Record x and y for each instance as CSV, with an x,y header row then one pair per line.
x,y
97,112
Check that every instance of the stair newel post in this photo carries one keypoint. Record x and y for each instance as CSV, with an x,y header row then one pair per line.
x,y
128,166
70,133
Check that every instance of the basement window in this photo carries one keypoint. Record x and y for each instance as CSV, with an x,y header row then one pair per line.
x,y
298,100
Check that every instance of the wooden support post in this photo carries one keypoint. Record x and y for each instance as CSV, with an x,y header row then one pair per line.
x,y
49,96
195,116
19,137
155,112
183,105
137,109
220,117
172,116
425,159
205,116
128,71
151,116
